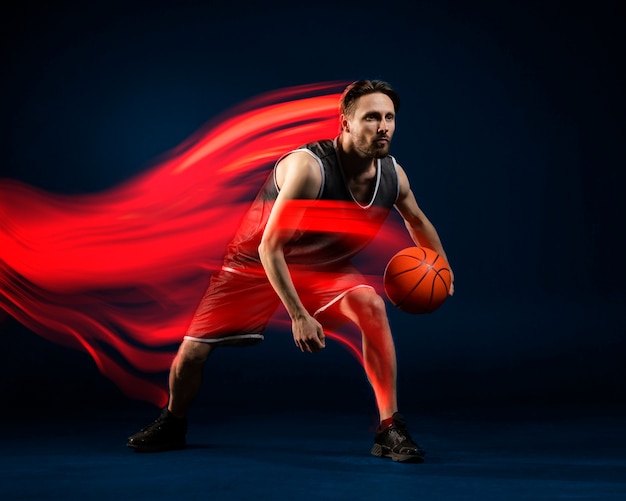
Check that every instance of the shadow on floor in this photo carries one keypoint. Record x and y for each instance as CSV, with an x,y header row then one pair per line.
x,y
561,454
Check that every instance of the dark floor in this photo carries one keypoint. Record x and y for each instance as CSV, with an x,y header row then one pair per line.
x,y
512,455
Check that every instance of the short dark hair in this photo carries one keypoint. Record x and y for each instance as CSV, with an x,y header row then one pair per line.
x,y
360,88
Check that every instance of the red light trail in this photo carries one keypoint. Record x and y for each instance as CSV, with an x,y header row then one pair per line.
x,y
119,273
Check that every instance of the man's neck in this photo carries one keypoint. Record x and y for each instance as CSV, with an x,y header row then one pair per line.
x,y
353,162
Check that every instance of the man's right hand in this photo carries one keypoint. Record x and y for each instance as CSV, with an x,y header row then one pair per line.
x,y
308,334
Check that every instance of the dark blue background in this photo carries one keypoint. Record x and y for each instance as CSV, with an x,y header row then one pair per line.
x,y
511,130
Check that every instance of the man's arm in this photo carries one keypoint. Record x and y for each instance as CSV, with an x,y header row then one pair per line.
x,y
298,177
422,231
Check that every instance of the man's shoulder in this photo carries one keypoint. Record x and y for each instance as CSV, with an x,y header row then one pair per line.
x,y
320,148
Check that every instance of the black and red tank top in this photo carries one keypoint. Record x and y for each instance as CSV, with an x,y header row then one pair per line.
x,y
335,227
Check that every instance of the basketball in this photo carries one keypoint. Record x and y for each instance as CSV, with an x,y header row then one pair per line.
x,y
417,280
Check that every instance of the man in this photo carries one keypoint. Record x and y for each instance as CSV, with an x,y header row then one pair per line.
x,y
280,254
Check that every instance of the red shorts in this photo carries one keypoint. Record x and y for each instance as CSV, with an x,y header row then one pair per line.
x,y
238,305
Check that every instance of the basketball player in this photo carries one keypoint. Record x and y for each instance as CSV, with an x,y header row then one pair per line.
x,y
309,271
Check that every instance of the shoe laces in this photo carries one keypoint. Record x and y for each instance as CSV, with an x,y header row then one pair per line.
x,y
400,437
157,423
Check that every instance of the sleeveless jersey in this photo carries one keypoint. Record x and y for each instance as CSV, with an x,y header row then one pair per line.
x,y
335,226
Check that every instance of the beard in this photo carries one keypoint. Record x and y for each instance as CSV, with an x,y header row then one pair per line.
x,y
374,149
381,151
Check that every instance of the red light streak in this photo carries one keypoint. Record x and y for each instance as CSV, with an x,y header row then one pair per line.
x,y
118,274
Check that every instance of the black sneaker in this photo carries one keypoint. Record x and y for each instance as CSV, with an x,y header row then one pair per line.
x,y
166,433
395,442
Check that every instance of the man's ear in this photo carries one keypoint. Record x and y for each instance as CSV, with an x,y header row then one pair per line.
x,y
345,125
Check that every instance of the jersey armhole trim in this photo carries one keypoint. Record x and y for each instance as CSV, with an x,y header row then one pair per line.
x,y
318,160
395,166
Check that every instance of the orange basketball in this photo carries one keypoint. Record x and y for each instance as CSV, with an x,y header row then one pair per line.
x,y
417,280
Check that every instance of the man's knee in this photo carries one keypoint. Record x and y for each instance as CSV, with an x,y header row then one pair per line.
x,y
365,302
193,352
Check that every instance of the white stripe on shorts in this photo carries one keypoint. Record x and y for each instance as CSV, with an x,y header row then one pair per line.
x,y
340,297
213,340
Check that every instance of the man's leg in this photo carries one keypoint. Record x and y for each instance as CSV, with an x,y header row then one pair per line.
x,y
186,375
169,430
367,310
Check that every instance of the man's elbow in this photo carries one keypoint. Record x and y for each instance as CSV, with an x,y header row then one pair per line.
x,y
262,249
266,248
